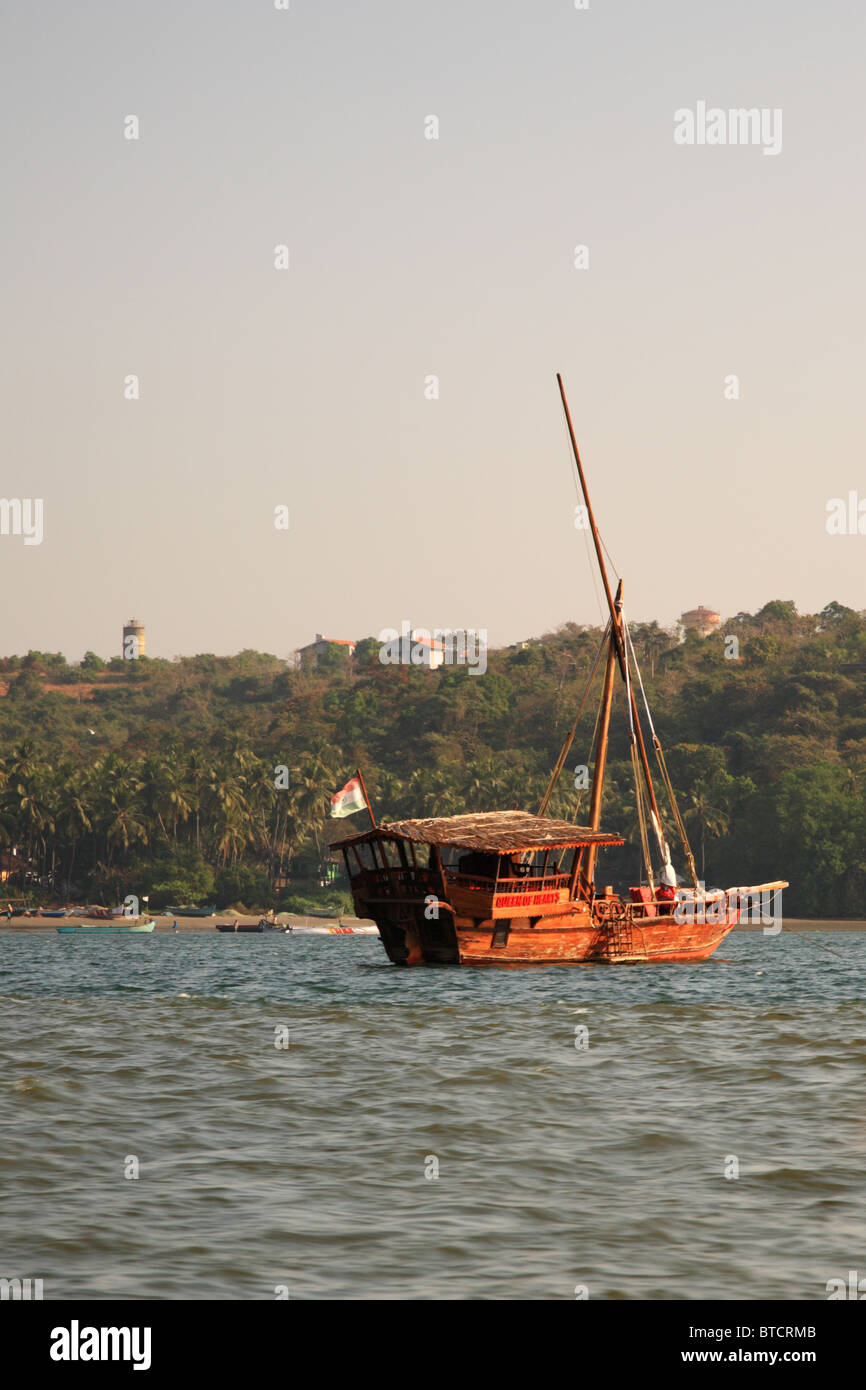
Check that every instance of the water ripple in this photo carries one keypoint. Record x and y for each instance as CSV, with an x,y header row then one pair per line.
x,y
428,1134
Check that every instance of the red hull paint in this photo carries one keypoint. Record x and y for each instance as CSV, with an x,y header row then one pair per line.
x,y
654,942
550,941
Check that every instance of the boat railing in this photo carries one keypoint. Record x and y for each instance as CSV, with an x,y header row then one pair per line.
x,y
550,883
611,909
553,882
392,882
477,882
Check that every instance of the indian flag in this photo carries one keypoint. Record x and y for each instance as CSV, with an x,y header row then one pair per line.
x,y
349,800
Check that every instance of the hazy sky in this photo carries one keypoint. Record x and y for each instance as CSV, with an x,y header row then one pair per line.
x,y
409,257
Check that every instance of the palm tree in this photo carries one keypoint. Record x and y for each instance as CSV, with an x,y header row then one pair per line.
x,y
125,822
710,818
313,782
484,785
117,805
166,796
193,784
72,821
226,810
28,800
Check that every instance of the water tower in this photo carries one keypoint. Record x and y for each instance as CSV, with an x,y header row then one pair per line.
x,y
701,620
133,640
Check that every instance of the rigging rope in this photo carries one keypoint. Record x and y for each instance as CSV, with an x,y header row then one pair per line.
x,y
578,494
589,755
560,762
663,768
681,829
563,857
641,816
639,677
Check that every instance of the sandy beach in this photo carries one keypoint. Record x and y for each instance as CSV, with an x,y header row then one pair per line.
x,y
184,924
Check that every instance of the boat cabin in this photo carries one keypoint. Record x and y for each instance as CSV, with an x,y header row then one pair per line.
x,y
422,881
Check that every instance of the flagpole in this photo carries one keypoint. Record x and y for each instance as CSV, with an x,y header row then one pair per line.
x,y
366,797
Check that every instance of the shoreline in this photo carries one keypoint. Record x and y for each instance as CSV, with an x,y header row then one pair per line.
x,y
19,926
22,926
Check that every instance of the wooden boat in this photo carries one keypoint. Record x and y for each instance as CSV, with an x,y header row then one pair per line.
x,y
191,911
515,888
112,929
52,912
262,925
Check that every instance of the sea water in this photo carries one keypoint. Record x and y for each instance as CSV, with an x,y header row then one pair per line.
x,y
255,1117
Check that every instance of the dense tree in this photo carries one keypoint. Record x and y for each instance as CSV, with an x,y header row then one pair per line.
x,y
163,777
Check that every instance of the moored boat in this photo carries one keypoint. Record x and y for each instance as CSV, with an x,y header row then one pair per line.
x,y
516,888
340,930
263,925
245,927
191,911
111,929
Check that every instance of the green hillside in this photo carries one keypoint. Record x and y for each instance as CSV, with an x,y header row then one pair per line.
x,y
159,777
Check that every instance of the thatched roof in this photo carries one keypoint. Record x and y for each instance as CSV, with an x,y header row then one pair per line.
x,y
496,832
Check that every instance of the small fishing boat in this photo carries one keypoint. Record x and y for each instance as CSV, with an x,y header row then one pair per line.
x,y
516,888
52,912
364,930
191,911
112,929
261,926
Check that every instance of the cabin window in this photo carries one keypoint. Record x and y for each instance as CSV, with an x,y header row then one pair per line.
x,y
353,865
366,856
391,851
450,856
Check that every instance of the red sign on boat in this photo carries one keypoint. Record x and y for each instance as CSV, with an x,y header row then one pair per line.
x,y
526,899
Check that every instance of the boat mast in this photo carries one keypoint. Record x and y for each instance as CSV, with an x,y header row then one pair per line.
x,y
616,622
601,751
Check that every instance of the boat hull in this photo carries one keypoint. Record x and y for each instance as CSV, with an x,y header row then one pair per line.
x,y
576,939
257,927
331,931
108,930
659,942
